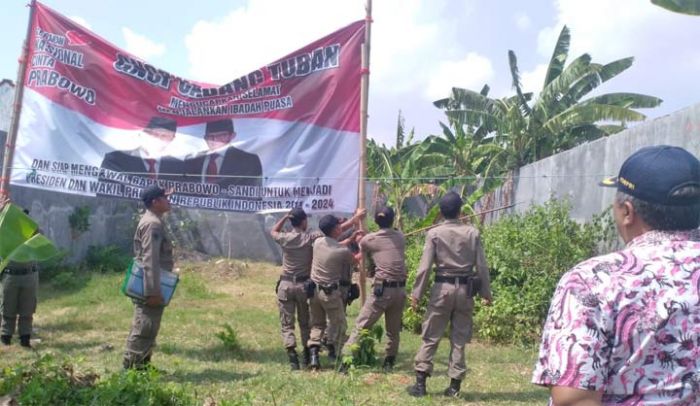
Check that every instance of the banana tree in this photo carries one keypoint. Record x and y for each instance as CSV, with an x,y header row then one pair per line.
x,y
559,118
691,7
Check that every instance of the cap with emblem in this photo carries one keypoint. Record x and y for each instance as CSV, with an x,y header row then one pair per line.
x,y
451,204
151,193
327,223
384,217
297,214
655,174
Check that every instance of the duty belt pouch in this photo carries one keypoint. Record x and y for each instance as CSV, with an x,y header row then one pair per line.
x,y
475,287
310,288
378,289
353,292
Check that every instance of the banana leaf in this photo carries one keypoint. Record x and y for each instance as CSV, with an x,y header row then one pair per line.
x,y
20,241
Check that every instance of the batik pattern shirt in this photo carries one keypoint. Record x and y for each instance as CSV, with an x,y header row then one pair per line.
x,y
627,324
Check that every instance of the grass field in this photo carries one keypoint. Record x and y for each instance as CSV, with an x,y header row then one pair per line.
x,y
90,325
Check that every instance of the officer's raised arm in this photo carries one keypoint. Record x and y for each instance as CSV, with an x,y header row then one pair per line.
x,y
278,225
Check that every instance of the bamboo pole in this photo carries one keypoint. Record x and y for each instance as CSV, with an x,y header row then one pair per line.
x,y
16,111
364,101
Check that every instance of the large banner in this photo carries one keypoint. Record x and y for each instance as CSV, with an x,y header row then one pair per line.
x,y
97,121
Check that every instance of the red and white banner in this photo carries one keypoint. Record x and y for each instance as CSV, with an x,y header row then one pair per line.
x,y
97,121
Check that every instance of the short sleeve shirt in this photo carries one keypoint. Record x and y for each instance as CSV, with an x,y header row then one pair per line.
x,y
387,248
331,261
628,324
297,251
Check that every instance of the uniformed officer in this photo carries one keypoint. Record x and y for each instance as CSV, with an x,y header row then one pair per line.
x,y
20,282
331,260
461,272
297,251
19,288
387,250
153,250
348,291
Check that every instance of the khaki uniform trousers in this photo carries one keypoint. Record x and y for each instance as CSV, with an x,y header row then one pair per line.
x,y
292,302
330,306
391,304
18,303
142,338
448,303
344,297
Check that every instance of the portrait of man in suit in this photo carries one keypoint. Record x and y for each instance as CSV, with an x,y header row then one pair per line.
x,y
148,160
222,163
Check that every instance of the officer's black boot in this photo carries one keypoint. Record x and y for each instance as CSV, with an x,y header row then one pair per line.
x,y
389,363
293,359
453,389
315,361
331,353
7,340
418,390
24,341
306,357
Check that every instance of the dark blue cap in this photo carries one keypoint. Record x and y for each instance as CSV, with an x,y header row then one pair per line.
x,y
297,214
151,193
327,223
654,174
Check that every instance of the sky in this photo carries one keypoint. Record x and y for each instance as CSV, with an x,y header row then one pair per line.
x,y
420,49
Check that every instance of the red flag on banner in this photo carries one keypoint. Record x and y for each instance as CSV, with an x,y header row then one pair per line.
x,y
99,121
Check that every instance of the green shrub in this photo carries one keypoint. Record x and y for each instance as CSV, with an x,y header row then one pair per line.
x,y
363,352
229,338
414,249
107,258
69,279
48,381
527,254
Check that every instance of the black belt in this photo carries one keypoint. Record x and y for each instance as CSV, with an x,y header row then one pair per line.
x,y
394,284
294,279
345,283
452,279
19,271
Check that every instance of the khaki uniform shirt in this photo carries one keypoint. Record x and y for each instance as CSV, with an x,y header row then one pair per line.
x,y
331,263
387,249
153,250
297,250
456,250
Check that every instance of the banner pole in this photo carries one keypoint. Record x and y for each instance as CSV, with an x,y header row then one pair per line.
x,y
364,98
16,111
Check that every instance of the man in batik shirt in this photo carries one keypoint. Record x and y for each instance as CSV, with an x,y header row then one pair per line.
x,y
624,328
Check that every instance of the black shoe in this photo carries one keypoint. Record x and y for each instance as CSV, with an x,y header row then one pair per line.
x,y
24,341
418,390
453,390
306,357
332,356
6,340
315,361
388,365
293,359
